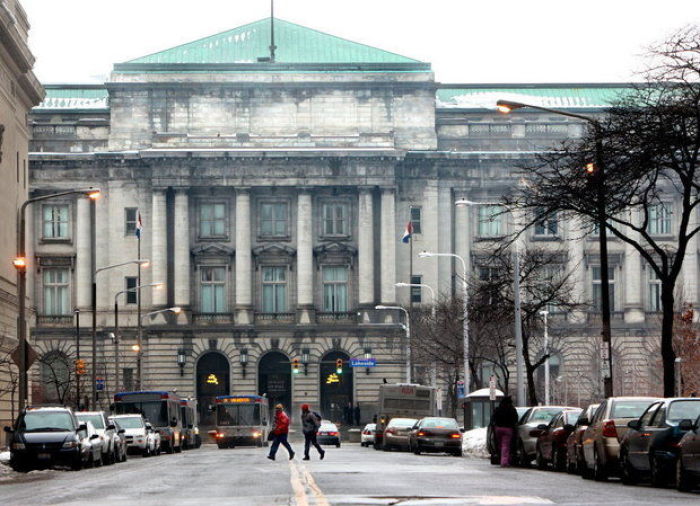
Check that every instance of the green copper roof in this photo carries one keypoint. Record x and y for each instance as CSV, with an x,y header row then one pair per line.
x,y
295,44
65,97
563,96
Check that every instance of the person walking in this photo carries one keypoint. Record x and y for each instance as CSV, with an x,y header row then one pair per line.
x,y
280,431
357,414
504,420
310,422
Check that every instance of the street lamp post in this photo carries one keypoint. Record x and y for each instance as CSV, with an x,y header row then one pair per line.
x,y
546,360
433,373
20,263
139,348
408,336
507,106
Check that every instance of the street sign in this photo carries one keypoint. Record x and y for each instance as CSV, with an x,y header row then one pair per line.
x,y
99,384
363,362
492,388
31,356
460,389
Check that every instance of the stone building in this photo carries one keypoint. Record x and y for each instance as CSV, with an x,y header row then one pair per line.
x,y
19,92
273,192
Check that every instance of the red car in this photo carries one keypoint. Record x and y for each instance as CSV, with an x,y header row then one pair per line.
x,y
574,452
551,441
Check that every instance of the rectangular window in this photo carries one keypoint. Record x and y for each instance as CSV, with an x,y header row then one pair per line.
x,y
213,290
416,290
212,220
660,219
335,289
130,220
274,219
335,219
132,295
490,221
56,291
55,221
548,227
274,289
597,292
654,288
415,219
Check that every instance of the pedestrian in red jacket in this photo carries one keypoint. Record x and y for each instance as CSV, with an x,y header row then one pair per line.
x,y
280,432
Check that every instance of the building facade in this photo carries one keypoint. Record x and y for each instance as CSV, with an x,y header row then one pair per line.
x,y
19,92
273,191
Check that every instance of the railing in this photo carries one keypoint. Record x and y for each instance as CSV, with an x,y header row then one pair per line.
x,y
272,318
212,318
63,320
336,317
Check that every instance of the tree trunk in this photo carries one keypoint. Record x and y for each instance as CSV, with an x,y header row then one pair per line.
x,y
529,370
668,356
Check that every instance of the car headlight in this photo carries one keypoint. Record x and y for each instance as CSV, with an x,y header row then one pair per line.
x,y
71,444
17,446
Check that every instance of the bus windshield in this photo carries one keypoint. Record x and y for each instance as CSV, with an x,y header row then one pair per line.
x,y
238,414
155,412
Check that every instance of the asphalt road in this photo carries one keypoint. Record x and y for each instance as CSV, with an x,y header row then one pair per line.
x,y
350,475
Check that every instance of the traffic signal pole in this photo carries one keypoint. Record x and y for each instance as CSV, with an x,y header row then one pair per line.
x,y
77,358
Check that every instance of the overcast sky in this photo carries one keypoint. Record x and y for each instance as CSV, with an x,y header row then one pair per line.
x,y
466,41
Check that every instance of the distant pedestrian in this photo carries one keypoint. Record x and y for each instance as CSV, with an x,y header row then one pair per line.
x,y
357,414
347,412
504,420
280,431
310,423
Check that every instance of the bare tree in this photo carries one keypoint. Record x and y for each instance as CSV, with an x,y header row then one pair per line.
x,y
9,373
57,377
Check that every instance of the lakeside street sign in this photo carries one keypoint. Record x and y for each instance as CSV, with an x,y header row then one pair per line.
x,y
363,362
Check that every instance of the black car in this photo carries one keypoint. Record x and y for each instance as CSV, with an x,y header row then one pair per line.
x,y
43,437
651,445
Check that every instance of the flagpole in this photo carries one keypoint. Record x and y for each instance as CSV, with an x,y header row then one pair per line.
x,y
138,305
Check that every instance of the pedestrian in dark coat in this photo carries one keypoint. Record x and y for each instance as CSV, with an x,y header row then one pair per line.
x,y
357,414
310,423
505,420
280,432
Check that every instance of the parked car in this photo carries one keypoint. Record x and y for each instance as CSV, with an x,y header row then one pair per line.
x,y
492,447
328,434
140,436
397,433
106,431
688,463
600,442
120,447
574,455
434,434
550,447
650,446
367,436
527,432
42,437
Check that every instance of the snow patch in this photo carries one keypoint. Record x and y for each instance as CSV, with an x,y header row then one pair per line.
x,y
474,443
4,457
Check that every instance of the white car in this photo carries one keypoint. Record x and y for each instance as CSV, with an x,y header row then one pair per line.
x,y
140,436
367,436
106,431
96,444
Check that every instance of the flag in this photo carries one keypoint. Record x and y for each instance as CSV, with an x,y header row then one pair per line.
x,y
408,233
139,225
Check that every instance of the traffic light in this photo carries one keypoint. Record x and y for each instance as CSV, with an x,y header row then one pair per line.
x,y
80,367
339,366
295,366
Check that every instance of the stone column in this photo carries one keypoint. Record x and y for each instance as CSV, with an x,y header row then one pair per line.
x,y
181,251
305,259
690,269
577,266
82,262
244,260
365,243
462,234
159,251
388,247
634,285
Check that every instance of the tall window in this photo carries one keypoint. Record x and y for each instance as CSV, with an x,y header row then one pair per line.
x,y
490,221
56,221
597,291
416,290
130,220
415,219
213,291
130,282
56,291
548,227
660,219
489,288
274,289
335,219
273,219
212,220
335,289
654,290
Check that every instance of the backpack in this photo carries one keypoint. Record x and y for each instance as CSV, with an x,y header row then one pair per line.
x,y
317,421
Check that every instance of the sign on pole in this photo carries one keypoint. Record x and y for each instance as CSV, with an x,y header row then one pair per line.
x,y
31,356
460,389
492,388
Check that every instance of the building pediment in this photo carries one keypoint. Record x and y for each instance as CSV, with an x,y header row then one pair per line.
x,y
335,249
213,250
274,249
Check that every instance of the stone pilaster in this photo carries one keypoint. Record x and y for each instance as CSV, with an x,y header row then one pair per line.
x,y
181,250
634,286
463,234
690,269
159,251
365,243
82,262
305,271
244,259
576,266
388,246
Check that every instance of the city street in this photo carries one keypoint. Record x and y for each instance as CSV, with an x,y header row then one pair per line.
x,y
349,475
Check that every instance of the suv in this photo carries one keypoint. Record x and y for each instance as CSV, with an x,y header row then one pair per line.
x,y
140,436
42,437
106,431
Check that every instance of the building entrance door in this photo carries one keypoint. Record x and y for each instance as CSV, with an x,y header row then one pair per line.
x,y
275,380
336,389
213,378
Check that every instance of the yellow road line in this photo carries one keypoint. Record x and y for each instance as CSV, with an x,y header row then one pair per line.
x,y
300,498
302,483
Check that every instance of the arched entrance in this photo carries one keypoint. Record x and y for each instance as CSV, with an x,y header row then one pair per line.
x,y
275,379
213,378
336,389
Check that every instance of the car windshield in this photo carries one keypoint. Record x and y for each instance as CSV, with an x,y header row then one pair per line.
x,y
402,422
440,423
132,422
155,412
629,409
683,410
570,417
96,420
544,415
58,421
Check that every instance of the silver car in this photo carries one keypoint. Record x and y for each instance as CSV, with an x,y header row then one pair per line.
x,y
526,433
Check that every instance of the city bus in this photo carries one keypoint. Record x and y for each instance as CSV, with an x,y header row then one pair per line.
x,y
190,428
163,411
404,400
240,420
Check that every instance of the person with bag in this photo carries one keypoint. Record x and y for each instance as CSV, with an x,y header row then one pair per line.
x,y
504,420
280,431
310,422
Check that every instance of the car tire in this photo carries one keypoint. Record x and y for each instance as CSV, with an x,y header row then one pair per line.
x,y
495,459
559,462
457,453
77,463
337,445
627,472
539,460
599,471
416,450
146,452
658,477
99,462
522,458
684,483
106,458
21,467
